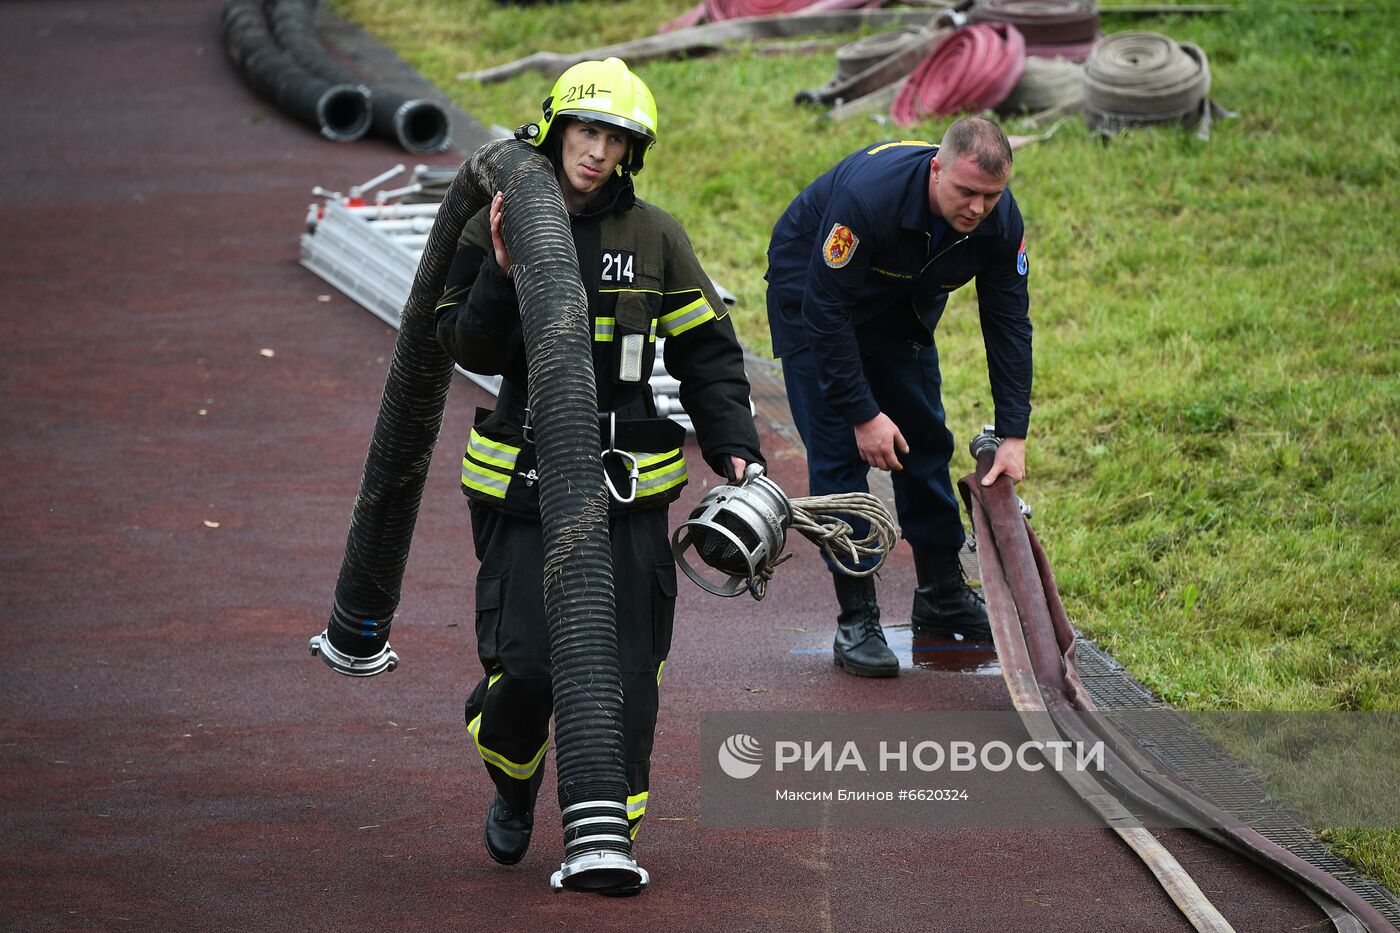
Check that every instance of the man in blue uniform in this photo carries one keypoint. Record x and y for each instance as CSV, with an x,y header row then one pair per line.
x,y
860,267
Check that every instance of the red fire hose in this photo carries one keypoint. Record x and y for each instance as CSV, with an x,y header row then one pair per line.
x,y
1036,645
973,69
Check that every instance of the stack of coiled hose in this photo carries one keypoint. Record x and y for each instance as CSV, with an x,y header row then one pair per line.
x,y
1135,78
973,69
1052,28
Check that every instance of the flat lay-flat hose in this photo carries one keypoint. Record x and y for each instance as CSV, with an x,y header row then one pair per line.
x,y
973,69
1144,77
714,11
1036,644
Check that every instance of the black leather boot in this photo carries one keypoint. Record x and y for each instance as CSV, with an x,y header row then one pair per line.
x,y
943,602
507,831
509,824
860,646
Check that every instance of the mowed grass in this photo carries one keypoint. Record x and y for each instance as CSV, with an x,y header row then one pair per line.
x,y
1213,452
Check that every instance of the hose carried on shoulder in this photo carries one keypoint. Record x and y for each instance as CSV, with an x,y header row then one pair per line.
x,y
578,586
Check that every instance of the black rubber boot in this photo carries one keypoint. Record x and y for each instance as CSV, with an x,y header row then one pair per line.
x,y
509,824
860,646
943,602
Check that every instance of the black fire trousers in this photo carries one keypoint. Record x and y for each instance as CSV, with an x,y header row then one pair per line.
x,y
508,713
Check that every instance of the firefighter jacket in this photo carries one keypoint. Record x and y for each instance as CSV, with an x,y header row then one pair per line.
x,y
643,283
859,261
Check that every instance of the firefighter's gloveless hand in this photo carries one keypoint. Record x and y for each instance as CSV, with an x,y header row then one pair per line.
x,y
497,242
1010,459
880,443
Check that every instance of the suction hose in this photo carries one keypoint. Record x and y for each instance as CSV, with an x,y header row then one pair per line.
x,y
578,585
339,109
415,124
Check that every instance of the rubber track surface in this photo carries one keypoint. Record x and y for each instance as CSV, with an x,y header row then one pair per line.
x,y
184,423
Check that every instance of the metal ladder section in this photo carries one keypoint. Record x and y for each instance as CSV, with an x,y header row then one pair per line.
x,y
369,249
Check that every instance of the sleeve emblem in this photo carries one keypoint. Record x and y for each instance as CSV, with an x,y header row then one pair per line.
x,y
840,246
1022,266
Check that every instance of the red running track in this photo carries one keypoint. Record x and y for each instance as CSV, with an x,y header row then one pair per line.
x,y
175,508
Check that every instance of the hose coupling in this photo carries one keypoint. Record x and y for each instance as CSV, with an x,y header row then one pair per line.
x,y
383,660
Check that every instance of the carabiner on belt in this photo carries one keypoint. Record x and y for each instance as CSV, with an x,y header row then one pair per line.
x,y
628,460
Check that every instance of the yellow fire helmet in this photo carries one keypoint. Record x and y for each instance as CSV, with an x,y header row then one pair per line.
x,y
601,92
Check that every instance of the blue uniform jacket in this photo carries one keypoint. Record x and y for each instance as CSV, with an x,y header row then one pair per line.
x,y
881,284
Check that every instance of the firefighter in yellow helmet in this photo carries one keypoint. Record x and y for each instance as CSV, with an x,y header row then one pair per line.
x,y
643,283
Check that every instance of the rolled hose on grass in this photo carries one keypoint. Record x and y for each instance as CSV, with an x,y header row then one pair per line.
x,y
1046,84
578,584
973,69
1135,78
339,109
873,62
415,124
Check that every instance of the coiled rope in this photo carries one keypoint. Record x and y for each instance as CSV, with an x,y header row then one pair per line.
x,y
973,69
1135,78
819,520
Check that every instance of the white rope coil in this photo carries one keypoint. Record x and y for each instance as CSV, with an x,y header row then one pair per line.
x,y
819,520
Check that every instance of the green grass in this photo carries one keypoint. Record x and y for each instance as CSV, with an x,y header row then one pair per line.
x,y
1213,452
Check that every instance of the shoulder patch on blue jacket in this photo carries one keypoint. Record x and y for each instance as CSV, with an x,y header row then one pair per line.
x,y
840,246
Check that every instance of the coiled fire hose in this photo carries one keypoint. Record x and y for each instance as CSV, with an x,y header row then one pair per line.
x,y
1135,78
1036,646
340,110
578,584
714,11
741,530
1047,84
973,69
869,64
416,124
1052,28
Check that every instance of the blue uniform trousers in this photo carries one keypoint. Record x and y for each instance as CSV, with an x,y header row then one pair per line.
x,y
905,381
